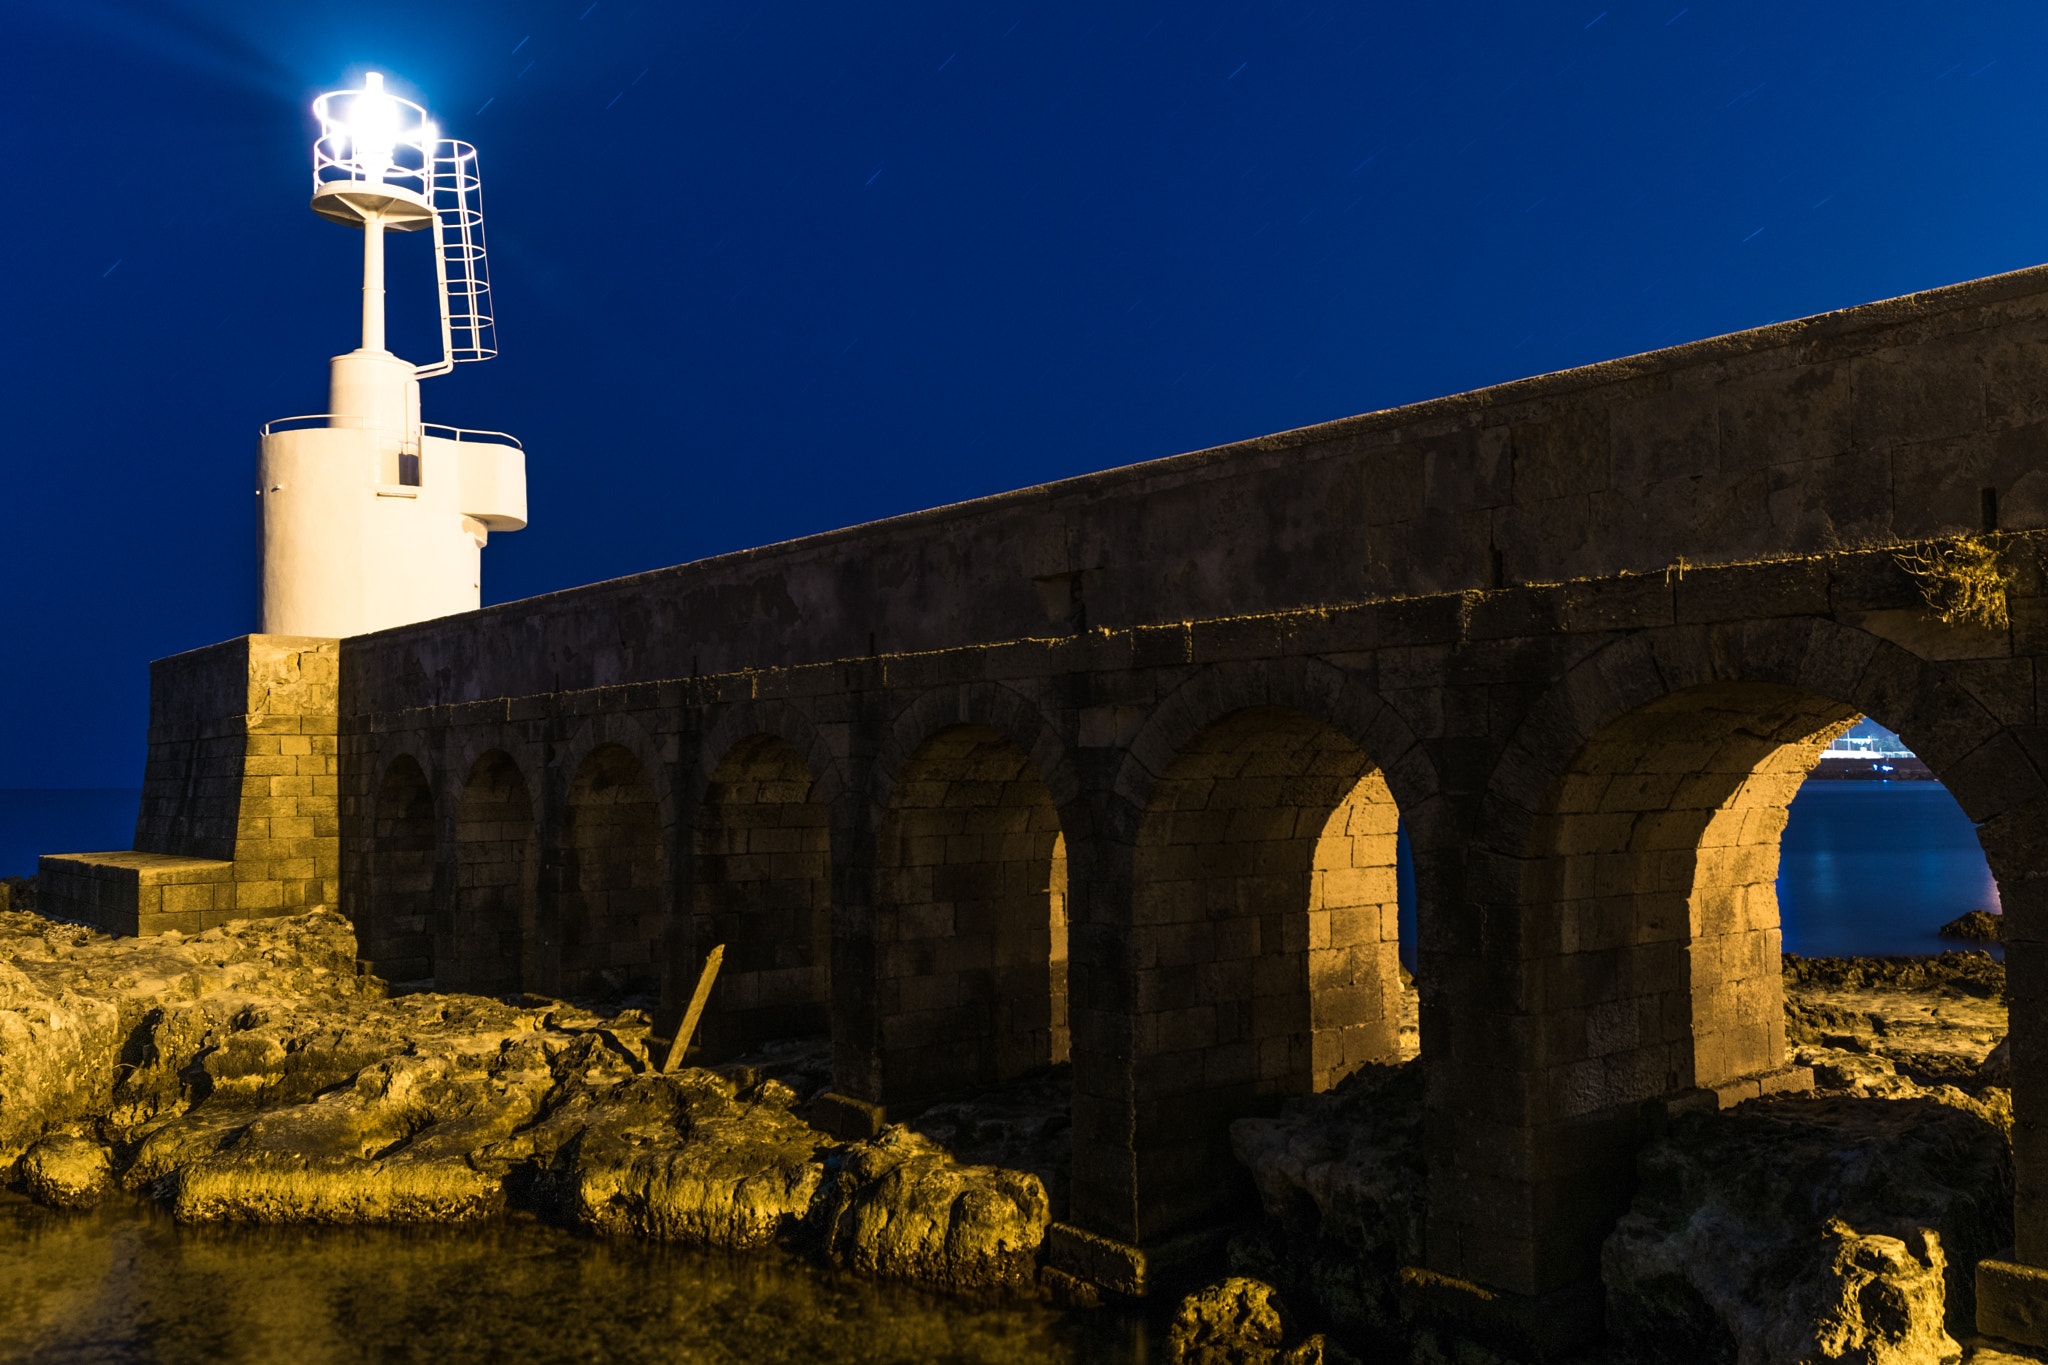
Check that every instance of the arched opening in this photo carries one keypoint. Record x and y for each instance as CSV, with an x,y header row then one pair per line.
x,y
1877,855
611,880
1647,960
1653,892
763,888
970,920
401,930
497,870
1266,939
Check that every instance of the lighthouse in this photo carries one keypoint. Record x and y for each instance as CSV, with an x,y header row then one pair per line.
x,y
373,518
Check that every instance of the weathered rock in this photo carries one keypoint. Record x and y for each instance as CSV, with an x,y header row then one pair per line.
x,y
1979,926
1025,1125
1236,1322
63,1171
249,1075
1885,1300
1241,1322
902,1207
1934,1019
1342,1178
682,1158
1809,1228
76,1007
1965,972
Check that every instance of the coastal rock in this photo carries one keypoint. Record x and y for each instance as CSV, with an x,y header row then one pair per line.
x,y
1996,1068
1979,926
682,1158
248,1074
1961,972
393,1147
1236,1322
1241,1322
1885,1299
902,1207
1935,1019
1022,1126
392,1112
1809,1228
1342,1179
76,1006
67,1172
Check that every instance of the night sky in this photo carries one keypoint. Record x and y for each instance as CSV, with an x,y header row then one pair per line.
x,y
763,270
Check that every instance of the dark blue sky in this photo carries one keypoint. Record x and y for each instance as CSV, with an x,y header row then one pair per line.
x,y
763,270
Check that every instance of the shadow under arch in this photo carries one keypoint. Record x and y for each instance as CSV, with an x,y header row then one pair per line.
x,y
399,939
489,943
1266,943
762,886
610,880
970,934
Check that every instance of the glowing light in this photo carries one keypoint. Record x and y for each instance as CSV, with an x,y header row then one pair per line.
x,y
367,134
373,127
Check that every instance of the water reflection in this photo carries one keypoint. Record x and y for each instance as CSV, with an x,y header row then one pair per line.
x,y
1876,867
127,1284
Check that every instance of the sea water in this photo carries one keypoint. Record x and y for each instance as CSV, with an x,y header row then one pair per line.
x,y
1865,869
125,1283
1873,868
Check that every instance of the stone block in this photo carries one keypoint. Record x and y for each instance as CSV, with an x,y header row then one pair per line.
x,y
2012,1301
1557,1325
1628,603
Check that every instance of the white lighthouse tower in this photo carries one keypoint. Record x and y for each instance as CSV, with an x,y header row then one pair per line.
x,y
371,517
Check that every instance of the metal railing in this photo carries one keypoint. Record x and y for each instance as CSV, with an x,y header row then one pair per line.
x,y
349,423
471,434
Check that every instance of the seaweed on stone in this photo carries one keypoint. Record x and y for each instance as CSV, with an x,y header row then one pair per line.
x,y
1961,580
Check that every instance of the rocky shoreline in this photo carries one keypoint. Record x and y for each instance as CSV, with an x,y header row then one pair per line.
x,y
250,1075
1839,1225
247,1074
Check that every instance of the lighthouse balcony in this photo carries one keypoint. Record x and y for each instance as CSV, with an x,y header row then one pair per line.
x,y
492,468
488,467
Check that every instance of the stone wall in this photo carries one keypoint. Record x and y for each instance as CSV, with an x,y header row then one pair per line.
x,y
1885,421
240,815
761,885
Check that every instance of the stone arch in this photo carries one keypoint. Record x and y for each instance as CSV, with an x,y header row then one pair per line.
x,y
1264,939
762,886
399,938
969,918
992,706
611,880
1318,690
488,946
782,720
1619,947
621,731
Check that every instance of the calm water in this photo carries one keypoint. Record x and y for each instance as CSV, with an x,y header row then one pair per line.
x,y
1865,869
1877,867
126,1284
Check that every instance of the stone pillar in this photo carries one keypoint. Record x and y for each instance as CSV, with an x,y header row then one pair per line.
x,y
240,810
2012,1288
